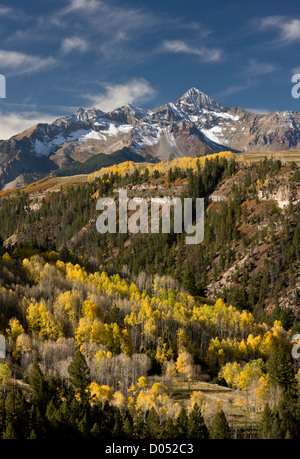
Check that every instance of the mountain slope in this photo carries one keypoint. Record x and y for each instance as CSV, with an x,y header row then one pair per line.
x,y
195,125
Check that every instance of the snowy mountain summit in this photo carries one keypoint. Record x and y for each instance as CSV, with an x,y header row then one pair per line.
x,y
194,125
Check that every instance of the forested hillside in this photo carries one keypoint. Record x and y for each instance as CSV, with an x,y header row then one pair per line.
x,y
122,336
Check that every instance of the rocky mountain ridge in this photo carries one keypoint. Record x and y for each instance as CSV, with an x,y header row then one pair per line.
x,y
195,125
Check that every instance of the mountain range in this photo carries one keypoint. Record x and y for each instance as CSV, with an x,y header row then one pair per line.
x,y
195,125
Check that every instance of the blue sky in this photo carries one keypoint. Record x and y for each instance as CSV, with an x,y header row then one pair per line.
x,y
61,55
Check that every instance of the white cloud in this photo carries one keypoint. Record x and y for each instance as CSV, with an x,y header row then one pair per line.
x,y
112,29
14,123
111,19
288,28
85,5
133,92
5,10
291,30
179,46
256,68
20,63
74,44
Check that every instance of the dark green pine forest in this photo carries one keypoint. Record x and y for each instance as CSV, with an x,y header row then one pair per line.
x,y
155,311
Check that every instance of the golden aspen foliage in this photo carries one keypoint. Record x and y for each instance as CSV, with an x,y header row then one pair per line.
x,y
230,372
5,374
185,163
170,368
88,330
100,394
7,259
263,390
119,400
184,364
15,328
198,398
142,382
42,321
131,405
23,344
67,306
89,309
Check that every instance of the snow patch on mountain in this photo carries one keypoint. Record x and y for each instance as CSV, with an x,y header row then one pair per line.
x,y
114,130
212,134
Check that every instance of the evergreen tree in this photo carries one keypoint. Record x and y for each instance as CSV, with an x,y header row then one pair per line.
x,y
196,425
79,373
219,429
281,370
118,427
96,432
182,424
265,425
128,426
189,281
37,382
84,427
152,425
169,431
289,414
17,416
10,433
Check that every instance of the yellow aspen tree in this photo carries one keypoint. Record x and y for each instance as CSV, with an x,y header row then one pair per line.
x,y
198,398
126,345
170,368
23,345
119,400
184,364
7,259
100,394
230,373
15,328
5,374
83,331
142,382
263,391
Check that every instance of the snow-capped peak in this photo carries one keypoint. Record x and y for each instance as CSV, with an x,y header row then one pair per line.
x,y
198,100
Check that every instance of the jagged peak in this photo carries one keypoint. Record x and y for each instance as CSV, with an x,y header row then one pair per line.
x,y
130,108
193,91
81,115
199,99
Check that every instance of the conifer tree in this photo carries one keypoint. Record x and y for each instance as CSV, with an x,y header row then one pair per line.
x,y
10,433
169,429
128,426
182,424
118,427
152,425
37,382
281,370
265,425
79,373
196,425
219,429
96,432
